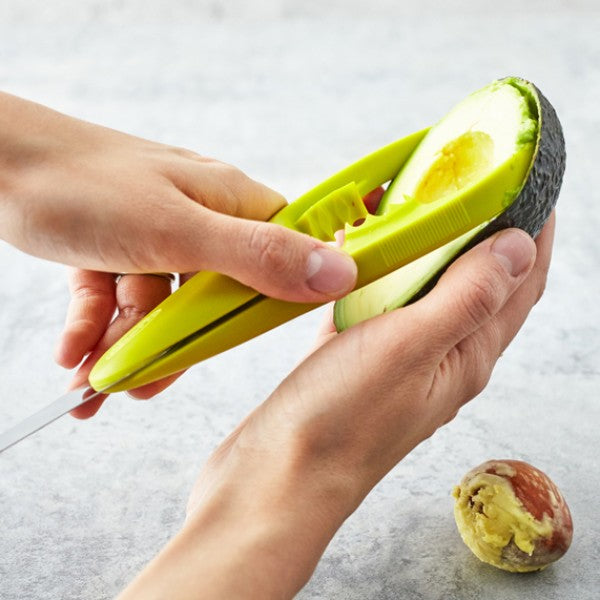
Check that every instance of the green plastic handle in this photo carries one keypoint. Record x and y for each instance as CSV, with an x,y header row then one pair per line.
x,y
366,174
212,313
155,348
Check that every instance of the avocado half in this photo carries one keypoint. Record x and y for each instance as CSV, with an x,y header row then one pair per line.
x,y
474,138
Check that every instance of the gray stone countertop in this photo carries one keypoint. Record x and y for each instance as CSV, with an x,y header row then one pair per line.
x,y
291,95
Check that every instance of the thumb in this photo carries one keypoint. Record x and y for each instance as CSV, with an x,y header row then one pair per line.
x,y
272,259
223,231
478,285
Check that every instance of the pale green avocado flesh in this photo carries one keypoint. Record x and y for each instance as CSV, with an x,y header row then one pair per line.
x,y
476,136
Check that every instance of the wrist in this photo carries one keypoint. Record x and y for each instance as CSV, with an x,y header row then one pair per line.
x,y
27,132
258,530
225,552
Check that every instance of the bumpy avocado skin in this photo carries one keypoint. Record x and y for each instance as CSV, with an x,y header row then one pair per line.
x,y
533,206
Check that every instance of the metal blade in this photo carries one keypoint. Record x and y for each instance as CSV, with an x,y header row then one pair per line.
x,y
75,398
46,415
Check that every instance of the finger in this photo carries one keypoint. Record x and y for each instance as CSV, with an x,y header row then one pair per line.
x,y
145,392
495,337
469,365
225,189
185,277
89,408
512,316
477,286
90,311
272,259
136,296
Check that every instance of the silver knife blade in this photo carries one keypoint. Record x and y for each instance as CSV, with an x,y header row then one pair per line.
x,y
46,415
79,396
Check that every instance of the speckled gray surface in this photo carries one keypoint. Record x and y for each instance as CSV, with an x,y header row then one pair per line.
x,y
290,93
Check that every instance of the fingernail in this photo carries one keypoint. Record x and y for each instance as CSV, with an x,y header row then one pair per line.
x,y
515,250
330,271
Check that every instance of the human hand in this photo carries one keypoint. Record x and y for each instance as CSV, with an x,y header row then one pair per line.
x,y
105,202
272,496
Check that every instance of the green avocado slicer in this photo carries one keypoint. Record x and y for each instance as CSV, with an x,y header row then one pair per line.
x,y
443,209
212,313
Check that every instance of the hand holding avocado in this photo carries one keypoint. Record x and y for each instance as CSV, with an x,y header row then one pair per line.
x,y
284,481
272,496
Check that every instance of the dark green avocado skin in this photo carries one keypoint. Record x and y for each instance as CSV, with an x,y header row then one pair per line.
x,y
532,208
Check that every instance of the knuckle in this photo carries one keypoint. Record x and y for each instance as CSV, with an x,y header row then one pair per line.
x,y
479,381
481,301
482,371
131,313
234,177
493,341
181,152
474,365
269,245
240,185
483,361
89,292
233,191
247,197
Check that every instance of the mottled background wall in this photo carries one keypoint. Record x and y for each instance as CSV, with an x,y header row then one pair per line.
x,y
290,92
